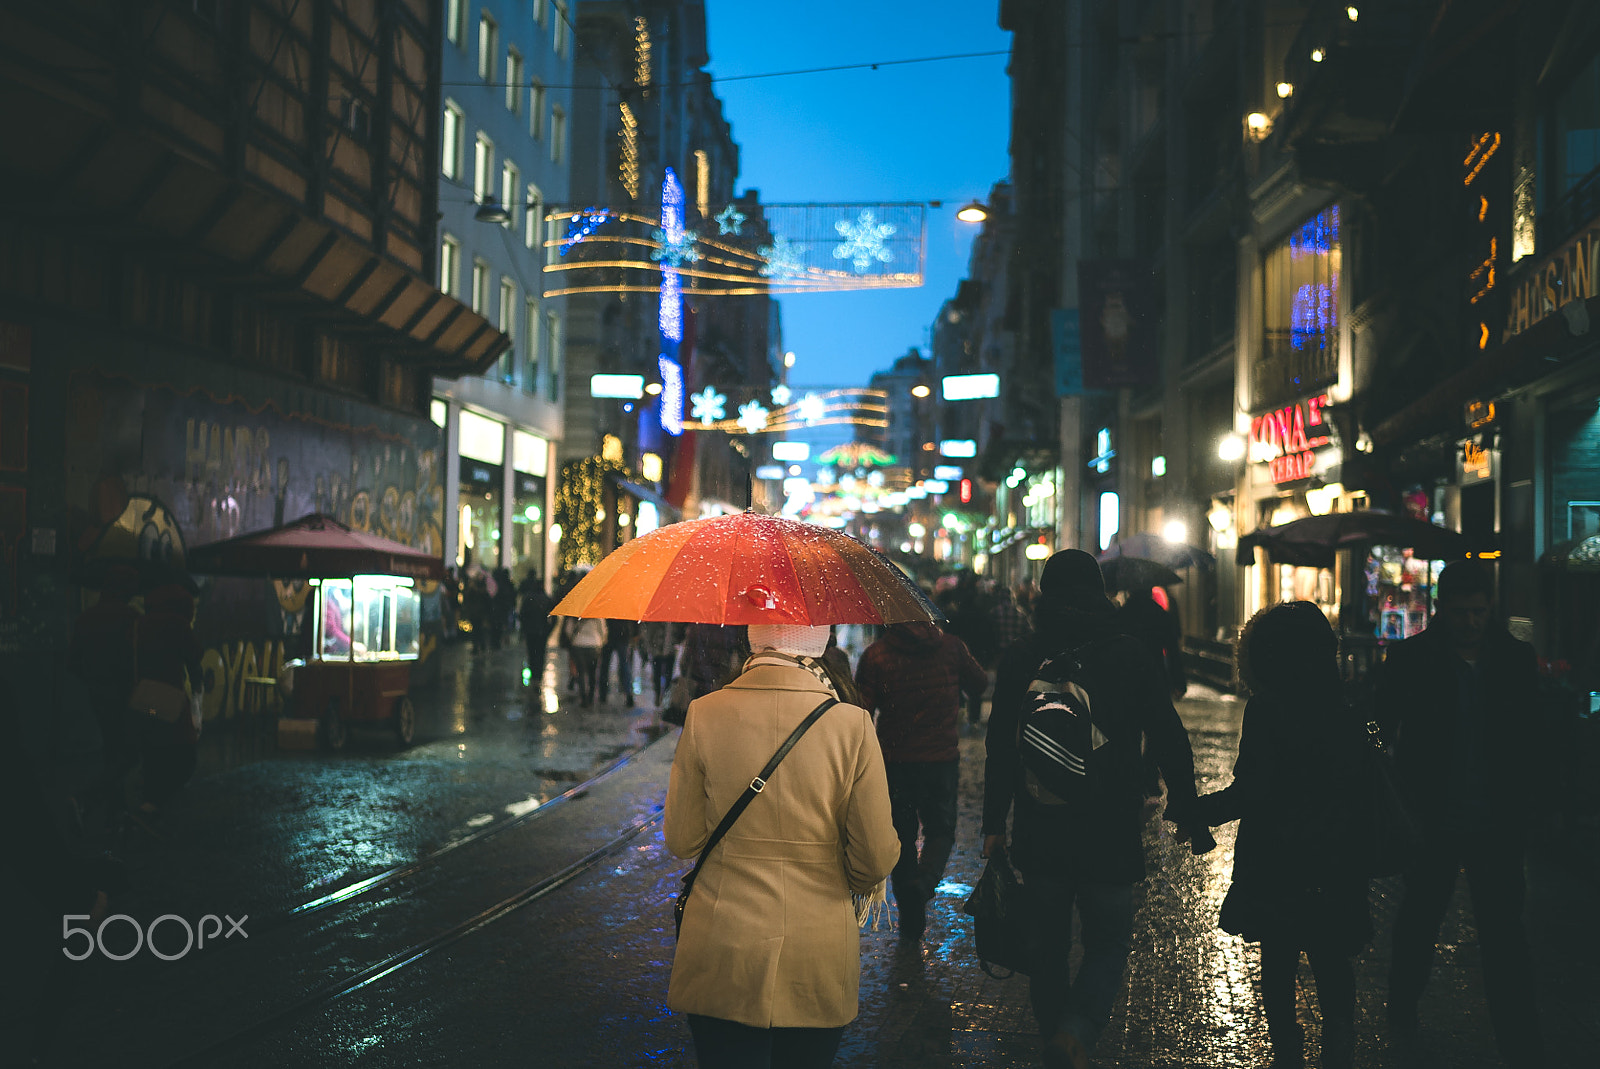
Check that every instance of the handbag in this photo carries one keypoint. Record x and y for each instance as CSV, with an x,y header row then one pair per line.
x,y
1000,919
757,785
1389,837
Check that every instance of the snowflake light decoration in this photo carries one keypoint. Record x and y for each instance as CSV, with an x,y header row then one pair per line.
x,y
752,417
863,241
781,395
707,405
671,394
582,225
675,251
730,221
812,408
784,259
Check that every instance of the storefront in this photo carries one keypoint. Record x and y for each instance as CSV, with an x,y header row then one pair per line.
x,y
481,500
1294,460
530,456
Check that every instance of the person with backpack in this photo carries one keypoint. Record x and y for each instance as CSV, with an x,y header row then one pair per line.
x,y
1063,764
914,677
1298,883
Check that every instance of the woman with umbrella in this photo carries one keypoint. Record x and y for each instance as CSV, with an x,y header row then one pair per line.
x,y
768,964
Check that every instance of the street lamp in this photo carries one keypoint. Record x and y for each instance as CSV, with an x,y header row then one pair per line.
x,y
490,210
920,390
973,212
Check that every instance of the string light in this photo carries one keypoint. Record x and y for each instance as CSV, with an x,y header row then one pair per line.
x,y
580,509
628,165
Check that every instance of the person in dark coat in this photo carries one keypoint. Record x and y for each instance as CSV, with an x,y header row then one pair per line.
x,y
620,638
501,605
169,652
914,677
533,613
1088,859
476,605
1459,704
1143,618
101,653
1297,882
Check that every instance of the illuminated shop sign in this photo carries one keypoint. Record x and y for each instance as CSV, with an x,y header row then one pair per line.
x,y
1476,462
1287,439
1567,274
1479,414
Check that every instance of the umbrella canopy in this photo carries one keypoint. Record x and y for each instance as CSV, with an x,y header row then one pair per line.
x,y
1313,541
1136,573
746,569
1580,556
313,547
1152,548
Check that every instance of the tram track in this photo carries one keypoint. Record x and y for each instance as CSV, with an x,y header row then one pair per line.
x,y
416,952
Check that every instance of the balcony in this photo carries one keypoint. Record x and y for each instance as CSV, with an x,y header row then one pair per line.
x,y
1580,205
1284,373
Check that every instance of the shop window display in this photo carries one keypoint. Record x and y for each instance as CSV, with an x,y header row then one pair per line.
x,y
1400,592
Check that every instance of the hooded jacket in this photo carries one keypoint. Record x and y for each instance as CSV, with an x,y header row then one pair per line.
x,y
1103,845
914,676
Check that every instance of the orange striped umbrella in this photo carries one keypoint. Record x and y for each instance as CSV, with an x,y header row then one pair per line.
x,y
747,569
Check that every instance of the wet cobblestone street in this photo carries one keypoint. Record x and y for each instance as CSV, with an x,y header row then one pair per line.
x,y
576,973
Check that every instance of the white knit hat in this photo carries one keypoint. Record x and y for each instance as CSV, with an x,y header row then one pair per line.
x,y
797,640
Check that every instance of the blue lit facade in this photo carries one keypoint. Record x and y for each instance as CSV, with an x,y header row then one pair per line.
x,y
506,136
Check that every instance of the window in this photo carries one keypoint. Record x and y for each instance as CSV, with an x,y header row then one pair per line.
x,y
488,45
536,106
510,179
558,134
506,370
450,266
541,11
482,165
452,140
1300,305
480,287
513,81
552,347
455,18
1575,128
530,345
535,217
562,29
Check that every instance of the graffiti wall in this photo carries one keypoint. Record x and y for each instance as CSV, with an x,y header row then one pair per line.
x,y
155,470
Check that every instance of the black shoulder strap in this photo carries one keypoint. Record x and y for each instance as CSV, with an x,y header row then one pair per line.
x,y
757,785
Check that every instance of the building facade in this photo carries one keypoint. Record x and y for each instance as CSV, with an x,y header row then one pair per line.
x,y
239,330
505,160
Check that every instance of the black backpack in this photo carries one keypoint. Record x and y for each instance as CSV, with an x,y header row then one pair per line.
x,y
1065,750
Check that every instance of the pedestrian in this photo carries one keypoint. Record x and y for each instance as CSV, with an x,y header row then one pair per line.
x,y
657,646
450,603
1008,623
569,579
913,677
585,637
1087,853
768,964
533,614
620,637
1459,704
1158,629
476,606
835,663
967,607
167,651
501,605
101,653
1298,881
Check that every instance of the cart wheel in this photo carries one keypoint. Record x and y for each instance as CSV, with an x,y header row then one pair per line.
x,y
333,727
405,720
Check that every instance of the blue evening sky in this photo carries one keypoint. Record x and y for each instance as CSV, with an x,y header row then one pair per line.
x,y
923,131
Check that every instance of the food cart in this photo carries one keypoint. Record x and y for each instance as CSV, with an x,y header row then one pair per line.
x,y
365,622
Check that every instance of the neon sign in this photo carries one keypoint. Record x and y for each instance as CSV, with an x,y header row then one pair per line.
x,y
1287,439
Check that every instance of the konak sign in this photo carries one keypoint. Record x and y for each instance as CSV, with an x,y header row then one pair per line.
x,y
1287,439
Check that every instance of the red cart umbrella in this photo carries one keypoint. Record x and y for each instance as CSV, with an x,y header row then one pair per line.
x,y
747,569
313,547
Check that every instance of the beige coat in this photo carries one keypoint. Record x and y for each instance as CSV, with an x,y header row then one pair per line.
x,y
770,937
